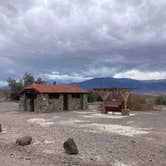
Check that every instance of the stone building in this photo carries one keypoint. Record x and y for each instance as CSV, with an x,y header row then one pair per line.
x,y
50,98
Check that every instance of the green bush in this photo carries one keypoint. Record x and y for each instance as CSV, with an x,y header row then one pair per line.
x,y
92,97
161,100
15,86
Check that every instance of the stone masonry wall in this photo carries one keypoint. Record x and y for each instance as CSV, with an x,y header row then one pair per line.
x,y
42,103
45,104
55,104
85,101
74,103
77,103
22,103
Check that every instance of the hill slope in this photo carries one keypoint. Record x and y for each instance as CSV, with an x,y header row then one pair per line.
x,y
153,86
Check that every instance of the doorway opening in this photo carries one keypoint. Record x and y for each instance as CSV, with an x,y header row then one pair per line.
x,y
65,102
31,96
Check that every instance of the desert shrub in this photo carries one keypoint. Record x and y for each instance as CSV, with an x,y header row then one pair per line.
x,y
92,97
4,95
161,100
28,79
139,102
15,86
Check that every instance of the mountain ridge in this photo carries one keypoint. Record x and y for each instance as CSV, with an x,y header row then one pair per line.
x,y
140,86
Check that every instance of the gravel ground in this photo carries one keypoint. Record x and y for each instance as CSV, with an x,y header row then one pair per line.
x,y
103,140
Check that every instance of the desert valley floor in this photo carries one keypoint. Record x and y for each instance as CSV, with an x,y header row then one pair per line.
x,y
103,140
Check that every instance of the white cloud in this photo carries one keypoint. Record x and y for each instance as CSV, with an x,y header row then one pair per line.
x,y
98,71
3,83
141,75
65,78
69,36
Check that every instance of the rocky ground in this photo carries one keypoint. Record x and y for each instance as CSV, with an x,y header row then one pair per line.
x,y
103,140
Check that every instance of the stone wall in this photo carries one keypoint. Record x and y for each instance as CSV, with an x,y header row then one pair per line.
x,y
78,103
46,104
43,103
55,104
74,103
85,101
22,103
28,106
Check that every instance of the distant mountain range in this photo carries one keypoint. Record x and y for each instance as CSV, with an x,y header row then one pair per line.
x,y
146,87
150,86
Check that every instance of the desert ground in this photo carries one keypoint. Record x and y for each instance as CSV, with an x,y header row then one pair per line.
x,y
103,140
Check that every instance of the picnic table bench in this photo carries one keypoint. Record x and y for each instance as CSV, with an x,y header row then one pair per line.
x,y
113,106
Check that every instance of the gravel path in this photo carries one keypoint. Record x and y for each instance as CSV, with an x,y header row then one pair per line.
x,y
103,140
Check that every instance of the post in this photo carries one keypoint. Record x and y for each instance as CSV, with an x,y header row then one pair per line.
x,y
104,95
125,95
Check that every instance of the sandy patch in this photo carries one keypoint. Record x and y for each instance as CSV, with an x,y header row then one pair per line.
x,y
88,116
4,131
72,122
107,116
118,129
49,142
109,128
118,163
48,151
41,122
83,112
37,142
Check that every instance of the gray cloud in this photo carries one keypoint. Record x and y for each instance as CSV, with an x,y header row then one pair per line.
x,y
82,39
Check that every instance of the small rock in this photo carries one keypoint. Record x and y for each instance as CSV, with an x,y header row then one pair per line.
x,y
70,146
12,155
125,112
22,141
133,141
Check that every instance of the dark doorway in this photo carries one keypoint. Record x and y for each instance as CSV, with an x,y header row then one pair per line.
x,y
32,109
82,102
31,96
65,102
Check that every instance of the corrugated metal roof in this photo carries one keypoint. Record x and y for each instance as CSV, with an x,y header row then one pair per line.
x,y
43,88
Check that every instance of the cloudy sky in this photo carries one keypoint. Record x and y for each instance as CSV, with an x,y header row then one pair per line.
x,y
74,40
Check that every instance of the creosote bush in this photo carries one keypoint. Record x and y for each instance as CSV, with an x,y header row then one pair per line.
x,y
161,100
140,102
15,86
92,97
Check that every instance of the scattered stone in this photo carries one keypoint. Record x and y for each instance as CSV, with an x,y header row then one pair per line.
x,y
133,141
12,155
22,141
70,146
125,112
110,151
0,128
20,158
